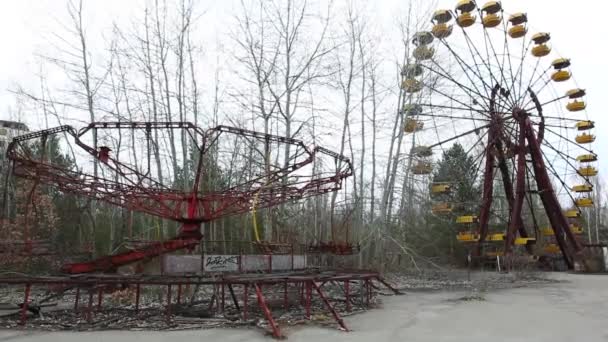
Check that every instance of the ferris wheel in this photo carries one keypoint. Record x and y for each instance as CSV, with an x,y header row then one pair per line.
x,y
480,78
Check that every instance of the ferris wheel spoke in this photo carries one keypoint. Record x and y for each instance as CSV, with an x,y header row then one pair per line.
x,y
462,65
551,169
478,160
545,103
487,40
507,50
520,68
559,118
485,61
445,75
568,140
480,141
529,200
453,99
561,154
552,125
538,92
524,91
566,158
540,77
433,105
475,130
451,117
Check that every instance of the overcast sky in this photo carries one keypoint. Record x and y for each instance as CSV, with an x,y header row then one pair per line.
x,y
578,32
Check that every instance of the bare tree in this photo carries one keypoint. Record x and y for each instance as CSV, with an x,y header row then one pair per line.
x,y
281,60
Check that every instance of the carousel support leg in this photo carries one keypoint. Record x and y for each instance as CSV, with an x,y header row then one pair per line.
x,y
90,306
137,290
347,294
99,298
368,292
26,299
234,300
276,332
168,303
223,294
285,297
330,307
245,297
388,286
77,299
308,298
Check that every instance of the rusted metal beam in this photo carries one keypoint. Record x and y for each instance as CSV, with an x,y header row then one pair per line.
x,y
137,289
330,307
245,299
26,301
276,332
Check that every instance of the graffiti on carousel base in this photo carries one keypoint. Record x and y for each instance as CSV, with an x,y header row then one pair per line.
x,y
221,263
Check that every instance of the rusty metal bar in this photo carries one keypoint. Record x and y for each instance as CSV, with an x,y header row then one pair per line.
x,y
285,297
276,332
24,306
223,294
99,298
330,307
389,286
308,298
367,292
77,299
137,289
347,295
301,290
234,299
169,302
90,306
245,297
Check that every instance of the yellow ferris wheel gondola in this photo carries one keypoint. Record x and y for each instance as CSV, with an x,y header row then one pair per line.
x,y
411,85
421,151
423,53
572,214
584,125
442,208
466,219
491,14
412,70
440,188
587,158
584,202
518,27
541,48
413,125
576,105
422,167
561,73
582,188
441,27
585,138
587,171
464,9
